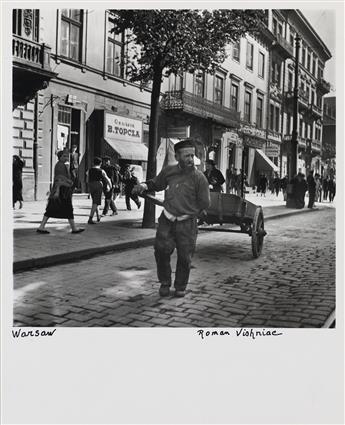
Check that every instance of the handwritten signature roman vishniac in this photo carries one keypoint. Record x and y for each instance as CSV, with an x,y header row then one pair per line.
x,y
243,332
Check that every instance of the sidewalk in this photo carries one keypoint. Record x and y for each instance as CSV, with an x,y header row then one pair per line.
x,y
112,233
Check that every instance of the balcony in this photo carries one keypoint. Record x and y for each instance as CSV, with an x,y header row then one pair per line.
x,y
189,103
282,47
314,112
300,140
323,86
31,68
316,145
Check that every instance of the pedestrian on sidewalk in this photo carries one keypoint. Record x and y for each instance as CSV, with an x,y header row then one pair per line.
x,y
60,198
325,188
111,172
276,184
262,184
318,189
186,196
214,176
17,180
131,181
331,188
74,166
299,189
311,188
97,180
283,184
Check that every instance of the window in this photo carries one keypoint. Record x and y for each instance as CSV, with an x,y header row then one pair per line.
x,y
307,93
247,105
199,83
250,54
277,118
261,70
280,29
303,56
290,81
314,67
288,124
276,73
292,39
64,114
312,97
271,117
234,96
320,73
259,109
218,89
71,33
308,61
115,53
305,131
300,127
236,51
275,25
19,19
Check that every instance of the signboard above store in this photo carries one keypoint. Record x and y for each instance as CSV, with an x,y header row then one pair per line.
x,y
122,128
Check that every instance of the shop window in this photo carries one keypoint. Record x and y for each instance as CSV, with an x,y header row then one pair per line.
x,y
234,96
218,89
259,111
71,33
247,106
261,67
115,52
25,23
250,55
199,83
236,51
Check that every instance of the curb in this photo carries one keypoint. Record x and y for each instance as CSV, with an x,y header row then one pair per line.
x,y
52,260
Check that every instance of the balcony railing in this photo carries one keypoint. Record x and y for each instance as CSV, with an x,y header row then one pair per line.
x,y
182,100
314,111
323,85
316,145
283,47
301,140
30,52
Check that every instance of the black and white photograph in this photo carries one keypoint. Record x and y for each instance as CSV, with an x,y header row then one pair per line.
x,y
175,168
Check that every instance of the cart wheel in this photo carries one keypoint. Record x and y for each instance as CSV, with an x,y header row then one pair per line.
x,y
258,232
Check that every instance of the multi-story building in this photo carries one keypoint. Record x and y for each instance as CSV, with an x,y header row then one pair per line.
x,y
329,135
313,54
89,101
80,95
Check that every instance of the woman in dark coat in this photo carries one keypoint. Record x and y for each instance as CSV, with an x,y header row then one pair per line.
x,y
60,198
299,189
17,182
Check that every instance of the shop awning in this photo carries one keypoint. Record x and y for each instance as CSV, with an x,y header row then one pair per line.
x,y
129,150
263,162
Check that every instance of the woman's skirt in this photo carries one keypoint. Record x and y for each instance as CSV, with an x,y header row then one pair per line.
x,y
61,207
95,189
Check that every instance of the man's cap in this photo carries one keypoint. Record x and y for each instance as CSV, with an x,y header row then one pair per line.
x,y
105,158
186,143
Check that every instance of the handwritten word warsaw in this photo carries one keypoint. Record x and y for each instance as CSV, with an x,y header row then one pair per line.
x,y
22,334
247,333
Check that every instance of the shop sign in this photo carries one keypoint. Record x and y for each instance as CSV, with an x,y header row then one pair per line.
x,y
253,131
122,128
181,132
272,151
252,143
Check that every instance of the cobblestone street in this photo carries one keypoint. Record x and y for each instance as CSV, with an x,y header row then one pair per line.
x,y
291,285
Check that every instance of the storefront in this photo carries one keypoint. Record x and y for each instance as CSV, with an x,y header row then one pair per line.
x,y
117,136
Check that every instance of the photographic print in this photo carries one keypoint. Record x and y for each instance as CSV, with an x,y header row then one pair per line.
x,y
102,101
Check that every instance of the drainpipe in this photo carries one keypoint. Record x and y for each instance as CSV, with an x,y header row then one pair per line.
x,y
51,140
282,120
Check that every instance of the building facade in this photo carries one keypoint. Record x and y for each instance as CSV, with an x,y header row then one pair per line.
x,y
88,101
80,95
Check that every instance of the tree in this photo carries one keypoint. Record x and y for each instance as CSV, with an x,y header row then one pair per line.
x,y
164,42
